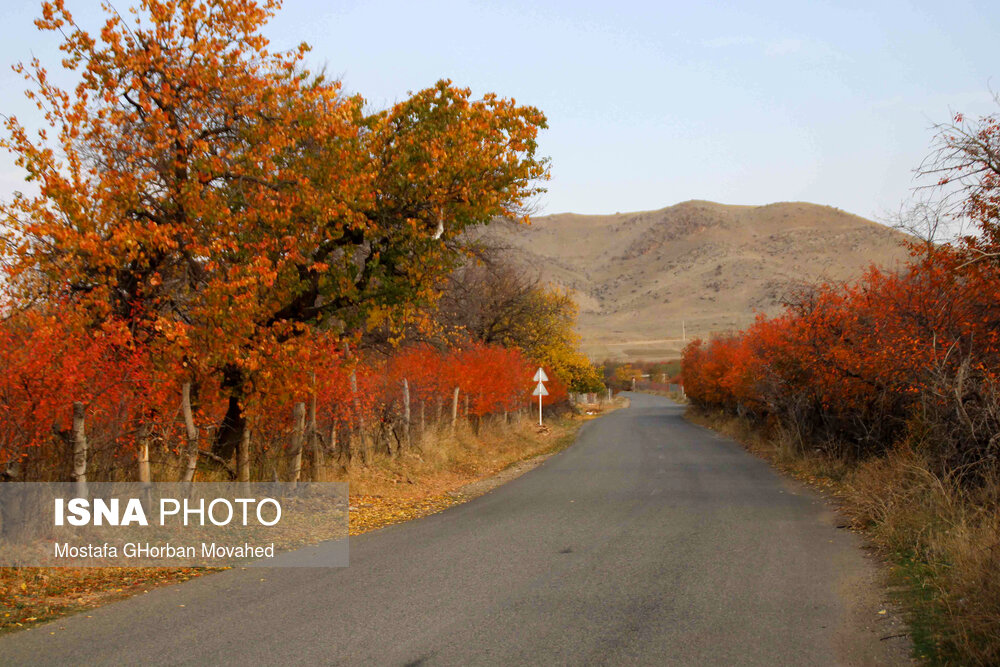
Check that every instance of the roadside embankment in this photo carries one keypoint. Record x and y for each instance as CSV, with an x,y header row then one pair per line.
x,y
940,538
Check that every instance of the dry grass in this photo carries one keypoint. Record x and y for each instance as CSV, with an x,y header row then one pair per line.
x,y
388,490
430,477
942,538
945,539
31,595
675,396
442,460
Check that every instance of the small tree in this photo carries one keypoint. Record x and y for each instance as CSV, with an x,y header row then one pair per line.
x,y
496,302
965,169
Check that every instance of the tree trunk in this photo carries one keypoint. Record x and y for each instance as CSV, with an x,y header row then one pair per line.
x,y
349,445
243,460
230,432
79,450
192,434
336,450
385,432
298,435
406,413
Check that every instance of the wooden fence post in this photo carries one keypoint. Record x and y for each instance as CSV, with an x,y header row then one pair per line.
x,y
79,450
406,413
298,435
315,447
143,443
454,409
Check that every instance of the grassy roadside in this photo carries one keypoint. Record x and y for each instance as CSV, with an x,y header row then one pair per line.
x,y
942,542
418,483
675,396
449,468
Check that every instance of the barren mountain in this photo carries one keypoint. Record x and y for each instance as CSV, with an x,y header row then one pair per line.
x,y
644,280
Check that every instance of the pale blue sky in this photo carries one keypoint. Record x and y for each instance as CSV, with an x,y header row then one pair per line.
x,y
650,104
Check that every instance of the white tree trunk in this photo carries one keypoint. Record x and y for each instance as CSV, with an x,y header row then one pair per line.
x,y
192,434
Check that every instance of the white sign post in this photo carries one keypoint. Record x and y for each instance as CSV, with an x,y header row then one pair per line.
x,y
540,390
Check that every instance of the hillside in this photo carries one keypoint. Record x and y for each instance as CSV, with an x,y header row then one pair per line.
x,y
641,277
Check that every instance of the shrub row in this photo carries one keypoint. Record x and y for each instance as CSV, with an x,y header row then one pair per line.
x,y
47,365
909,355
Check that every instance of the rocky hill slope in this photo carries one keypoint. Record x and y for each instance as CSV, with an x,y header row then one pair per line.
x,y
645,280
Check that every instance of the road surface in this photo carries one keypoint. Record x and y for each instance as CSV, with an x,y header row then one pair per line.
x,y
650,541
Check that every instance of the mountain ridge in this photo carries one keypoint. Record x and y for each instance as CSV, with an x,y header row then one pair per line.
x,y
645,278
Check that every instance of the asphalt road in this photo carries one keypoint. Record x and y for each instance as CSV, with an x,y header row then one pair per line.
x,y
650,541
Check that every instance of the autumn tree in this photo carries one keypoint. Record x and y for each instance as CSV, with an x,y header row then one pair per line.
x,y
963,176
625,375
497,302
224,203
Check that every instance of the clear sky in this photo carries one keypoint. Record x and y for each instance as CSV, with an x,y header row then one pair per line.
x,y
654,103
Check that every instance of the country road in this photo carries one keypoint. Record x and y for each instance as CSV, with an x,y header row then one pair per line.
x,y
650,541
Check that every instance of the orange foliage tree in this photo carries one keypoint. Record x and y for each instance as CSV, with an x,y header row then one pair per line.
x,y
225,205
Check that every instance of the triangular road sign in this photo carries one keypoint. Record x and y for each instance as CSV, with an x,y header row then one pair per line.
x,y
540,376
540,390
